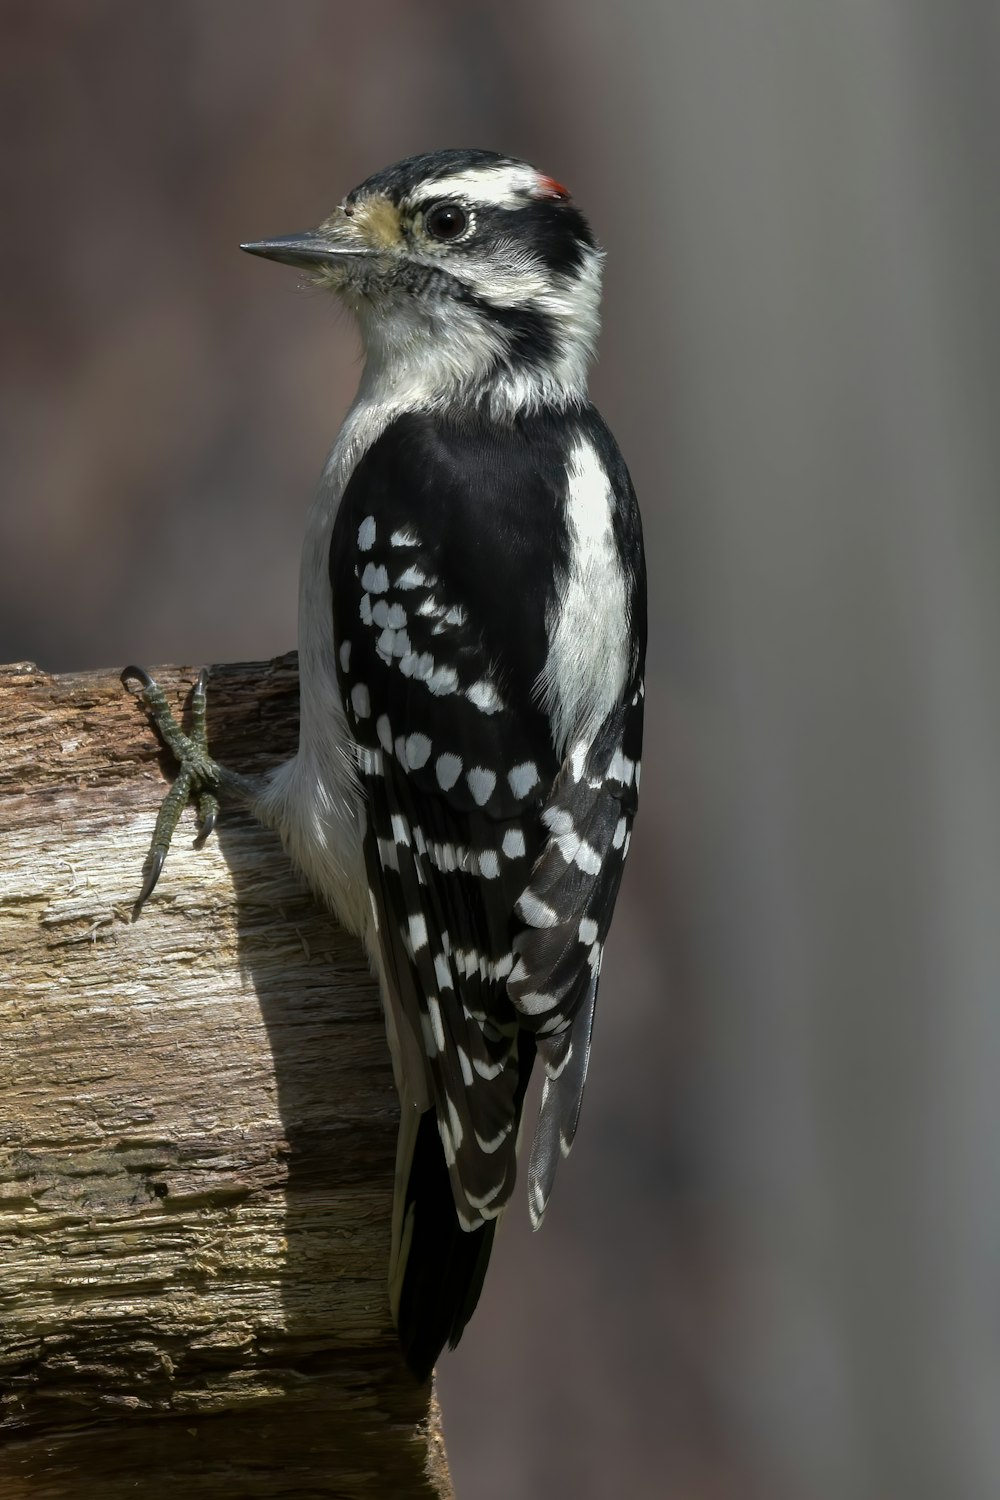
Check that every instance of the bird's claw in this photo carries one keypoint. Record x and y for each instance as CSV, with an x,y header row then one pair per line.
x,y
208,812
197,772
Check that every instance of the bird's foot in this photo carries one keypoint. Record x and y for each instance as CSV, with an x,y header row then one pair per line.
x,y
198,774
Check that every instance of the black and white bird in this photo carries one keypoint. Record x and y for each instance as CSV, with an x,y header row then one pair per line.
x,y
472,628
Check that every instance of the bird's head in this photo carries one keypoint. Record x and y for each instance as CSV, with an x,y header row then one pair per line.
x,y
473,277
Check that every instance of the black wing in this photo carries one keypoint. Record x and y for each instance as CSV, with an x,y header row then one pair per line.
x,y
445,554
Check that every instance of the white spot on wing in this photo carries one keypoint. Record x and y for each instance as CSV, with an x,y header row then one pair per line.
x,y
447,856
571,846
483,1203
467,1078
587,859
412,578
492,1143
587,931
481,783
443,972
417,666
522,778
360,701
418,749
345,656
370,761
418,931
442,680
559,820
388,854
375,579
437,1026
536,1204
448,768
536,1002
483,695
366,534
577,760
553,1071
489,1070
621,768
535,912
513,843
455,1124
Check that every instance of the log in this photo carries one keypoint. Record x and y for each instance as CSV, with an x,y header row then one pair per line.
x,y
197,1122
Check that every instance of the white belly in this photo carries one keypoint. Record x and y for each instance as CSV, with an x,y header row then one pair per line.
x,y
313,801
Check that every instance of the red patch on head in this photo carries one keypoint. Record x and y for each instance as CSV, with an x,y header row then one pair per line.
x,y
549,188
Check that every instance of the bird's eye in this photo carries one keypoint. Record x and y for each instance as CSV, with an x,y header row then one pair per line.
x,y
446,221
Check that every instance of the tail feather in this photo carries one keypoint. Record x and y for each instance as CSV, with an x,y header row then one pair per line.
x,y
445,1265
438,1267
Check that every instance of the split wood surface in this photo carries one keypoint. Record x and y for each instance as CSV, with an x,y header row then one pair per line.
x,y
197,1128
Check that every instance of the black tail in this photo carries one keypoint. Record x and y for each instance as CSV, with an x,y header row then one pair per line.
x,y
445,1265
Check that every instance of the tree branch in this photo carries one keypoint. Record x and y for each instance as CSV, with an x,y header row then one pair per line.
x,y
198,1124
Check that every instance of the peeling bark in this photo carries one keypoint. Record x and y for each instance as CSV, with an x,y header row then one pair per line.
x,y
197,1127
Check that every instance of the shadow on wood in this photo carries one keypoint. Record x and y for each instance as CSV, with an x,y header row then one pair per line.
x,y
198,1125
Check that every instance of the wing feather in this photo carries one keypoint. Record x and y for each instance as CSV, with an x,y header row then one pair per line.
x,y
492,866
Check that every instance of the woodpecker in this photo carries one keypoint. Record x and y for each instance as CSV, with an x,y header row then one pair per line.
x,y
472,630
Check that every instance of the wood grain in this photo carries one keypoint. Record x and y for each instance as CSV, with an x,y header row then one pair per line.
x,y
197,1125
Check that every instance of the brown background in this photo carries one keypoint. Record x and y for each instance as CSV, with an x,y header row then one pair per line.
x,y
770,1266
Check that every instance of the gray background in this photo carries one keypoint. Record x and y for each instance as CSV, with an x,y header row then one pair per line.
x,y
770,1267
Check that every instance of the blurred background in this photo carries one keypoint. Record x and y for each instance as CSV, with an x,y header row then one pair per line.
x,y
770,1268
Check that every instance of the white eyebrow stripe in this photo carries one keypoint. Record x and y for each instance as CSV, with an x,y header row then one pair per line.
x,y
503,185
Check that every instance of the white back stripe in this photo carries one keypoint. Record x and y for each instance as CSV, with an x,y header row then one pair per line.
x,y
587,661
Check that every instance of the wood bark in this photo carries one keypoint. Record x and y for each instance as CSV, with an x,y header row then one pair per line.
x,y
197,1126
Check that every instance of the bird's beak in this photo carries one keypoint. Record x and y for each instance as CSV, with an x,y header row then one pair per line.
x,y
312,248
